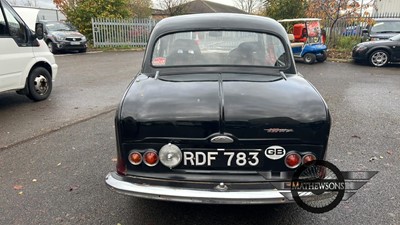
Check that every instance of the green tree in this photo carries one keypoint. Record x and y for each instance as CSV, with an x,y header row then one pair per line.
x,y
80,12
285,9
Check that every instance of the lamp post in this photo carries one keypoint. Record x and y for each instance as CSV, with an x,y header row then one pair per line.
x,y
362,3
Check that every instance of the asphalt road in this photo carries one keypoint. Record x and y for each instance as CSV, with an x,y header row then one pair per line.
x,y
54,154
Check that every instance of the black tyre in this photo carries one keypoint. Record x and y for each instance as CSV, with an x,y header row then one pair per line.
x,y
51,47
39,84
309,58
379,58
82,50
323,57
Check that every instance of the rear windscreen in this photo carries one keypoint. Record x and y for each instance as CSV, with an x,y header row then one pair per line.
x,y
222,48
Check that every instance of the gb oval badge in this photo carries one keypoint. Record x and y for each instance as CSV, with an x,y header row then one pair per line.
x,y
275,152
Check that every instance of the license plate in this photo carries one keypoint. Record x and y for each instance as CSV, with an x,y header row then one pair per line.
x,y
75,43
218,159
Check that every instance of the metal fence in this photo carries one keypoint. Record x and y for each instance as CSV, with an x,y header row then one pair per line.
x,y
353,26
135,32
121,32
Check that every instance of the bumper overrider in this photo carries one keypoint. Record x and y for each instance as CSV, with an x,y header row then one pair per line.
x,y
121,185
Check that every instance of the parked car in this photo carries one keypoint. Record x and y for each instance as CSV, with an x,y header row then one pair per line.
x,y
217,111
382,29
60,36
352,31
26,64
378,53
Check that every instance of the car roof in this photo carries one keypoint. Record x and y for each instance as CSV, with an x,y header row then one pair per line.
x,y
217,21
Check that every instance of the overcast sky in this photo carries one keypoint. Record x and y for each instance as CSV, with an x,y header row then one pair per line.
x,y
49,3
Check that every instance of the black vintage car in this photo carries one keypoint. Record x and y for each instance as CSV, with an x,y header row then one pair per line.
x,y
378,53
217,113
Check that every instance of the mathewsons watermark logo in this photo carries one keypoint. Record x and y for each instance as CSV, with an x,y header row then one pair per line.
x,y
319,186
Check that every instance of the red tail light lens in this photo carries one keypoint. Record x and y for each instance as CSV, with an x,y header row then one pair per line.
x,y
292,160
308,158
135,158
150,158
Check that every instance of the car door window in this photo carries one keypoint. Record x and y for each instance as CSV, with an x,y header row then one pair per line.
x,y
16,28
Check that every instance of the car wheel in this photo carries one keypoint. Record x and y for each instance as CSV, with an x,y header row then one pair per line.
x,y
379,58
51,47
323,57
82,50
309,58
39,84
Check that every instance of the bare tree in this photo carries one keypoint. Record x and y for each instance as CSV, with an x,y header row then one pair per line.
x,y
140,8
249,6
173,7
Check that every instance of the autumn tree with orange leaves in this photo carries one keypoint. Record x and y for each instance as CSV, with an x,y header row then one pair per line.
x,y
333,10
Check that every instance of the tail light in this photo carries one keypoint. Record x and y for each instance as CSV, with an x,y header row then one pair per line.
x,y
135,158
308,158
150,158
292,160
121,167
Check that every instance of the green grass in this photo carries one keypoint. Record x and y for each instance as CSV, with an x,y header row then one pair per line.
x,y
348,42
344,43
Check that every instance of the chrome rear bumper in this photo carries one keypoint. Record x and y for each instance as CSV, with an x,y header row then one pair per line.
x,y
167,193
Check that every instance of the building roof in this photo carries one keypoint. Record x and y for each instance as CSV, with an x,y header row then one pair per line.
x,y
158,12
201,6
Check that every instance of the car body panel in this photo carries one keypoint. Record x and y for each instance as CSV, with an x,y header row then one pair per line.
x,y
17,62
255,102
29,15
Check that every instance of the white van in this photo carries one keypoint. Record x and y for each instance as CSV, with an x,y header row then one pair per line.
x,y
26,64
